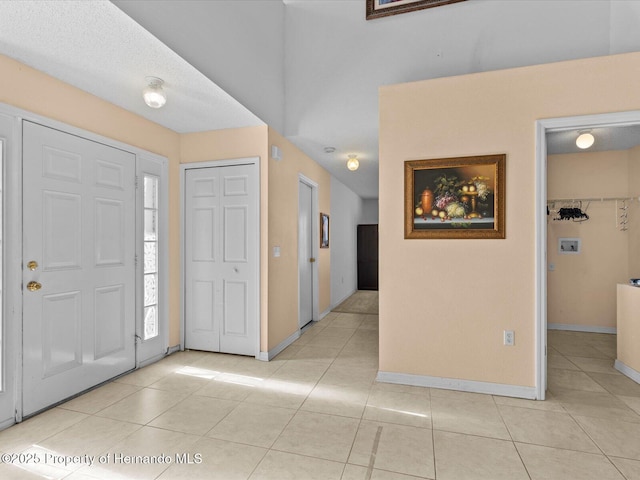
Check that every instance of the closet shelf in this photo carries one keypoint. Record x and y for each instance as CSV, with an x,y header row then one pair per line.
x,y
592,199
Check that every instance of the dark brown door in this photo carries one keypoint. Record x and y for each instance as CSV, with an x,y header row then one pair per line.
x,y
367,257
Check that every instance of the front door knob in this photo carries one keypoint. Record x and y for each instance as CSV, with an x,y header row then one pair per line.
x,y
33,286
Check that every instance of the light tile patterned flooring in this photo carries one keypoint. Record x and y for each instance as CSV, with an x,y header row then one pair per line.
x,y
316,412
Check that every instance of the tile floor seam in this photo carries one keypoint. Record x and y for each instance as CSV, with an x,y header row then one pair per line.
x,y
511,436
506,426
524,465
433,449
616,467
266,452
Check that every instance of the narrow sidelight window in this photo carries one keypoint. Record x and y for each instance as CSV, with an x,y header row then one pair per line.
x,y
151,184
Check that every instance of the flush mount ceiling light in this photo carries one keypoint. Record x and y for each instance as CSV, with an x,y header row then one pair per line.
x,y
153,93
353,163
585,139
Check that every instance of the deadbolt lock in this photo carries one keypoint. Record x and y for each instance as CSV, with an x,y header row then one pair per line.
x,y
312,259
32,265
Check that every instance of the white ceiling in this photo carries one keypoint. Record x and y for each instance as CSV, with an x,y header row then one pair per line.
x,y
309,68
605,139
96,47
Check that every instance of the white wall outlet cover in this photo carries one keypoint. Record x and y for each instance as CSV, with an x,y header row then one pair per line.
x,y
276,251
509,338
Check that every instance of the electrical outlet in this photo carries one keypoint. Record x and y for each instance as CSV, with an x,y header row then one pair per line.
x,y
509,338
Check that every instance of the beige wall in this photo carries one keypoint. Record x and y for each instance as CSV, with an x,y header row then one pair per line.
x,y
582,288
36,92
283,232
445,303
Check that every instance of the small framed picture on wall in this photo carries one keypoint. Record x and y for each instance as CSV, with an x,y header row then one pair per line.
x,y
324,230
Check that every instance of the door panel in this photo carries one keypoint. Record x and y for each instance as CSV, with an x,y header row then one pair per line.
x,y
236,235
62,332
221,229
62,230
110,320
79,224
305,253
236,321
110,235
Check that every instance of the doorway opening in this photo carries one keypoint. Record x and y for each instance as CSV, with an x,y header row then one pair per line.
x,y
553,262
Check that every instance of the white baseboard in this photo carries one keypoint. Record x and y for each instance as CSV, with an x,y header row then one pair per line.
x,y
343,299
7,423
151,360
503,390
325,313
266,356
581,328
174,349
628,371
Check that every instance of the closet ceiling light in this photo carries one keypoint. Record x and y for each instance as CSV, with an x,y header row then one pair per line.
x,y
584,140
153,93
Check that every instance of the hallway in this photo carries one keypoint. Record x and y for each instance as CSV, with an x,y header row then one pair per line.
x,y
316,412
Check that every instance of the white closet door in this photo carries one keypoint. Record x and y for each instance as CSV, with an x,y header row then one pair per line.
x,y
79,294
305,253
221,268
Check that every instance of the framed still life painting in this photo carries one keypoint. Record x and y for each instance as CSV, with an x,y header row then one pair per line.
x,y
455,197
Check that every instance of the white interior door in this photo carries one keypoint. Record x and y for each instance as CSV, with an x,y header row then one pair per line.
x,y
221,264
305,253
79,292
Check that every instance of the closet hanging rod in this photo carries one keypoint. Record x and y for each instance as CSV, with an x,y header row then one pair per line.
x,y
593,199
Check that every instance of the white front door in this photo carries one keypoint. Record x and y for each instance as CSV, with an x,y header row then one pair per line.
x,y
78,272
305,253
221,261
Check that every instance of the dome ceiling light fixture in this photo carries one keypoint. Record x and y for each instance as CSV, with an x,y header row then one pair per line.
x,y
153,94
585,139
353,163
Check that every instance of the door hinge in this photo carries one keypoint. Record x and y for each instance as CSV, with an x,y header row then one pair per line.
x,y
135,260
136,182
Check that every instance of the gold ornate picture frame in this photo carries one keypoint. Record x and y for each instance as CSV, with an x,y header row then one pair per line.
x,y
459,197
